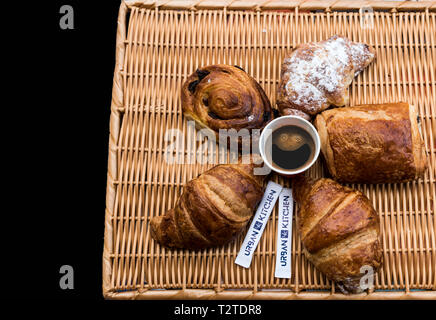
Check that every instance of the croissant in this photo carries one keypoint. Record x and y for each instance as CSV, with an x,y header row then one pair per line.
x,y
382,137
225,97
213,208
339,230
317,75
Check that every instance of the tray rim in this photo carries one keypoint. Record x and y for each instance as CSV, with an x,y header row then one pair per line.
x,y
114,129
261,5
210,294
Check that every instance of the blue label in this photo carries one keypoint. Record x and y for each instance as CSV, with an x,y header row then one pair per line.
x,y
257,225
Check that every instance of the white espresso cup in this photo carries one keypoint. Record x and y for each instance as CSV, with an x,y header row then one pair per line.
x,y
288,121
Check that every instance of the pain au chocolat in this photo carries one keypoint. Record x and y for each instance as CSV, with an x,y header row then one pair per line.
x,y
374,143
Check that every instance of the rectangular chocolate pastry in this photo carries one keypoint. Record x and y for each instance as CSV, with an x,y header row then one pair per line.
x,y
375,143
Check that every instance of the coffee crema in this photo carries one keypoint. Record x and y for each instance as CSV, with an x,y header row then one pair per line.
x,y
290,148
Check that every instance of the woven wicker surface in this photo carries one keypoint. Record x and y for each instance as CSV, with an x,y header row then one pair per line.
x,y
159,45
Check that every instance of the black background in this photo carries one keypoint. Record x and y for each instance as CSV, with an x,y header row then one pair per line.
x,y
64,89
64,84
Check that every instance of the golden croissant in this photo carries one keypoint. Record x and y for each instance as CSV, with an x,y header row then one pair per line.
x,y
317,74
213,208
339,229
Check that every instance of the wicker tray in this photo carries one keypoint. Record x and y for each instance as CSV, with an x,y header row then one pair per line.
x,y
159,44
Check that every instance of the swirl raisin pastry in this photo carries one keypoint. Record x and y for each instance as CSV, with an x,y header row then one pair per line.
x,y
339,229
225,97
317,75
213,208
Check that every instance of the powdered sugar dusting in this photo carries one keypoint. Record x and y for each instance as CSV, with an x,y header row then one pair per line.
x,y
360,55
302,92
316,72
320,69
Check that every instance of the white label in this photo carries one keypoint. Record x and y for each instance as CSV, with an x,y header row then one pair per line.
x,y
284,234
258,224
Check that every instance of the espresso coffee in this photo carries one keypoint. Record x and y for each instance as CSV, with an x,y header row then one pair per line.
x,y
290,148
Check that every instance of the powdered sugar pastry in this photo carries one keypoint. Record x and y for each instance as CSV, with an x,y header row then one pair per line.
x,y
317,75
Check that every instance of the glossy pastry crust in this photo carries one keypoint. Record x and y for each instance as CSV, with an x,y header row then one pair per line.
x,y
317,74
339,229
377,143
212,210
225,97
